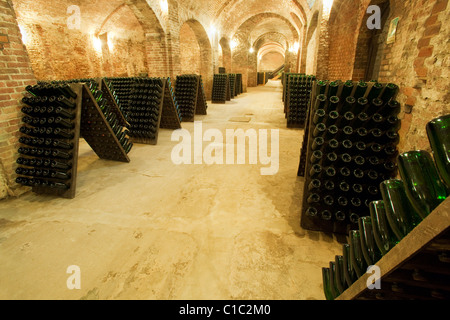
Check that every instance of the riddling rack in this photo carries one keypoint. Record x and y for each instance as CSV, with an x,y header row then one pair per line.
x,y
221,88
148,105
57,115
349,148
298,99
190,94
226,87
239,89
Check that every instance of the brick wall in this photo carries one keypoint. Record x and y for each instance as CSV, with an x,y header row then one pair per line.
x,y
15,74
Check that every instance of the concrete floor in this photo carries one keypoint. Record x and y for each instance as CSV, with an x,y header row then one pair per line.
x,y
153,230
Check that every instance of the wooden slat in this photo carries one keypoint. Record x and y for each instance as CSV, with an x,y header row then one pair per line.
x,y
435,225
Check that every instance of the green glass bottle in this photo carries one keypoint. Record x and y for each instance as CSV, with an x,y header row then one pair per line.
x,y
438,131
327,284
322,86
339,277
422,182
349,272
383,235
356,255
401,215
368,246
347,89
390,92
333,287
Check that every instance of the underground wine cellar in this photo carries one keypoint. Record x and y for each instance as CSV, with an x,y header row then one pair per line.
x,y
224,150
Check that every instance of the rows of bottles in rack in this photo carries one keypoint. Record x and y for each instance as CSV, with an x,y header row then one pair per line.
x,y
350,157
46,151
144,107
92,124
186,90
298,97
220,84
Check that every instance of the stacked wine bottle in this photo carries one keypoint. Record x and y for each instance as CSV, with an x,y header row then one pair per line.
x,y
121,88
173,97
406,202
48,145
232,77
111,116
220,88
352,146
144,108
239,85
203,94
186,91
298,99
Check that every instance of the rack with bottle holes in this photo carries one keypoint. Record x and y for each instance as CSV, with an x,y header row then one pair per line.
x,y
417,268
232,77
108,142
202,105
190,94
55,120
221,88
49,153
239,88
348,170
298,93
171,116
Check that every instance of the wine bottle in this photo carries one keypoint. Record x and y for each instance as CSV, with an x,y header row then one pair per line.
x,y
347,89
339,278
356,256
401,215
333,287
423,185
390,92
349,272
314,185
326,215
327,284
438,131
312,212
383,235
368,245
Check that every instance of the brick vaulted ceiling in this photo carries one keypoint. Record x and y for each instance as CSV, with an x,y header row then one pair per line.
x,y
229,15
226,15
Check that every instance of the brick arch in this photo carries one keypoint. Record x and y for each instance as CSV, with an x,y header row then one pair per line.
x,y
155,38
310,53
146,16
271,37
205,53
370,45
226,54
245,62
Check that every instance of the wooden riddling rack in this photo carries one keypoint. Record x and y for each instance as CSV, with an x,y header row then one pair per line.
x,y
221,88
154,103
334,226
239,88
298,93
165,109
417,268
226,86
88,121
190,95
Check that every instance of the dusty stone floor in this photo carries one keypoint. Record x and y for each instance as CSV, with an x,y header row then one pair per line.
x,y
154,230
